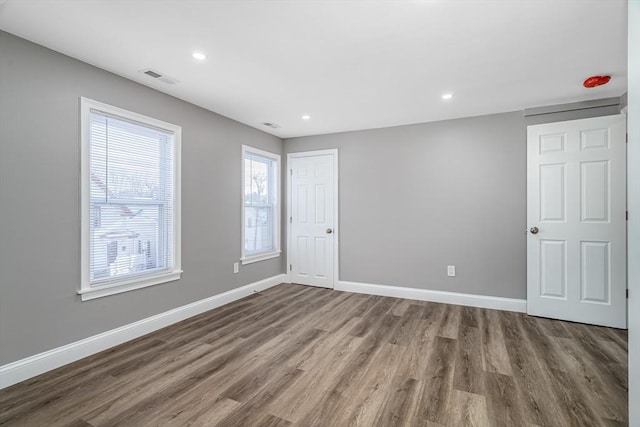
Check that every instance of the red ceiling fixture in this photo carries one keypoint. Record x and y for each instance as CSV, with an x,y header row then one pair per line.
x,y
595,81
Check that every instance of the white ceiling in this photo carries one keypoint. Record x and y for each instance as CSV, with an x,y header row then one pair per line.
x,y
348,64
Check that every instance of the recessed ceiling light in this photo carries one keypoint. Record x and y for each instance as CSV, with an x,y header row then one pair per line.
x,y
199,56
447,96
306,117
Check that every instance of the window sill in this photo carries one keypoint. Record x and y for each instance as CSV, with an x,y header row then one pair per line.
x,y
260,257
128,285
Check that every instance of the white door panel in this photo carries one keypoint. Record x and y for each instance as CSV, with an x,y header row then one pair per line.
x,y
576,265
594,273
552,192
594,181
553,272
312,218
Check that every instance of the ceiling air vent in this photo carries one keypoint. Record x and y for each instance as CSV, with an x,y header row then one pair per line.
x,y
159,76
271,125
152,74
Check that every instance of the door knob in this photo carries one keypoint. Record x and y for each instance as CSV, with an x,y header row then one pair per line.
x,y
534,230
329,231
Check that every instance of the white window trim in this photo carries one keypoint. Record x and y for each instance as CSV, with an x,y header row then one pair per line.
x,y
131,282
248,259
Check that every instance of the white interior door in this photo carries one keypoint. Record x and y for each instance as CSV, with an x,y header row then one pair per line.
x,y
313,218
576,214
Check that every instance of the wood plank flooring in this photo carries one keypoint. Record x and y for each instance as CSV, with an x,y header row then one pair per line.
x,y
304,356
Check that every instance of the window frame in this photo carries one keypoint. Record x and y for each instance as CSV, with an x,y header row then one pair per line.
x,y
261,256
137,281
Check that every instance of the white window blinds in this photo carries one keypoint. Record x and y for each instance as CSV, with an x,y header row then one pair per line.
x,y
131,199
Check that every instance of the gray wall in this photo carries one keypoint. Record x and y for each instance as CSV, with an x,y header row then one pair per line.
x,y
39,201
414,199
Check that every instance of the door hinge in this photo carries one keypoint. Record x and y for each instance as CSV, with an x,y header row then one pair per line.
x,y
627,293
290,220
290,267
627,215
291,172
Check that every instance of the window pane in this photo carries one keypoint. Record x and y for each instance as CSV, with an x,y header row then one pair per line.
x,y
128,161
258,232
126,239
259,200
131,198
257,180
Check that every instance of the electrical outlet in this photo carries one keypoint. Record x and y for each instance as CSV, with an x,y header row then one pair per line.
x,y
236,267
451,270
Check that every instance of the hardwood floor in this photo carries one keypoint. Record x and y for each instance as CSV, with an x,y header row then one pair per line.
x,y
296,355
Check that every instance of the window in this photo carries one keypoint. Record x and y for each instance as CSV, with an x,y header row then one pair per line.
x,y
260,208
130,200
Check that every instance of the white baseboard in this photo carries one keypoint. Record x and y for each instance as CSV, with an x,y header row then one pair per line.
x,y
481,301
26,368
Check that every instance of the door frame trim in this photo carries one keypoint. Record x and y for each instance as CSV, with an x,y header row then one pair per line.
x,y
336,227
